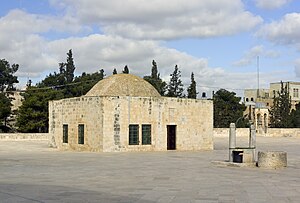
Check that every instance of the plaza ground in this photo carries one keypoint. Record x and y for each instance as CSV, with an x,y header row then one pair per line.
x,y
32,172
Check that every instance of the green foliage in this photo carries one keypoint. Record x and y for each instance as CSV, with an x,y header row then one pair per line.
x,y
5,108
155,79
33,114
65,75
126,70
7,78
175,86
192,91
227,109
115,71
280,112
295,116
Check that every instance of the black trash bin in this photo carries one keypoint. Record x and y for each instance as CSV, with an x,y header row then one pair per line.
x,y
238,156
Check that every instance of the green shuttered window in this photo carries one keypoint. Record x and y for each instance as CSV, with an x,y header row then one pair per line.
x,y
146,134
133,134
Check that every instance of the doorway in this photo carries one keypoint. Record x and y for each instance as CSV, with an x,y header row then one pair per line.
x,y
171,137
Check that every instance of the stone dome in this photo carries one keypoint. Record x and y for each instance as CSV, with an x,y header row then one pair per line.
x,y
123,85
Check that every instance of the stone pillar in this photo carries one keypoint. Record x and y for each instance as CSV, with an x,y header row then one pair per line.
x,y
232,140
252,140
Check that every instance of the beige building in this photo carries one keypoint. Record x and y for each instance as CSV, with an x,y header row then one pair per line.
x,y
259,102
125,113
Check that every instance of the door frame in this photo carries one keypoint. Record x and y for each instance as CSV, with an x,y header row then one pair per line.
x,y
171,137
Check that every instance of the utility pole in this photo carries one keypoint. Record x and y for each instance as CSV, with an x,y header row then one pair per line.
x,y
258,77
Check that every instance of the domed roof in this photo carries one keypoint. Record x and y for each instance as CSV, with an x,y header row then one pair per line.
x,y
123,85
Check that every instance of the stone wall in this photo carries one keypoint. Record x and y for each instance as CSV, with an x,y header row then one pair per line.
x,y
271,132
106,122
24,136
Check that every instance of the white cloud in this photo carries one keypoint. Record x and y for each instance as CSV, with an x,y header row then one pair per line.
x,y
297,68
285,31
168,19
271,4
251,55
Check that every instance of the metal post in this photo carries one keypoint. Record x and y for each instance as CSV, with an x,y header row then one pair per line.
x,y
232,141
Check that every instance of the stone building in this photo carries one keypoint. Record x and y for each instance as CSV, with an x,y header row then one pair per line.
x,y
125,113
258,102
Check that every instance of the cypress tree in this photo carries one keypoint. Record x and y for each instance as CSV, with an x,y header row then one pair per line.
x,y
155,80
175,86
192,92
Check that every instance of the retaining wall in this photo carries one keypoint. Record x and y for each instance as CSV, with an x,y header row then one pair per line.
x,y
271,132
24,136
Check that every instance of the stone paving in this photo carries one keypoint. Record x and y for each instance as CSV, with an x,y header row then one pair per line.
x,y
32,172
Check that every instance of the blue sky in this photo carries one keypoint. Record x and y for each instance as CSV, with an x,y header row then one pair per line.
x,y
218,40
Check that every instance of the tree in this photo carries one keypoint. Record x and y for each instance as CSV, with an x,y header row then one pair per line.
x,y
5,108
33,114
115,71
192,91
7,78
295,114
126,70
175,86
155,80
227,109
70,67
65,75
280,112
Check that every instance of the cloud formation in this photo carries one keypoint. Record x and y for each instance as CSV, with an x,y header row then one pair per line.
x,y
163,20
271,4
251,55
284,31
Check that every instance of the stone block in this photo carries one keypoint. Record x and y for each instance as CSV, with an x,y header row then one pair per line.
x,y
272,159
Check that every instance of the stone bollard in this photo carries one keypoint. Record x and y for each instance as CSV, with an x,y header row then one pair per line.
x,y
272,159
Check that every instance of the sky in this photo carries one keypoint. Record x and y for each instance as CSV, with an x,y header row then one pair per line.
x,y
223,42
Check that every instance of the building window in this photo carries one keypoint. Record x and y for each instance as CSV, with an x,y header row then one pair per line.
x,y
296,92
133,134
80,134
252,99
65,133
146,134
247,99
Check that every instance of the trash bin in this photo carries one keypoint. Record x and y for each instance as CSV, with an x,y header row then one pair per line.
x,y
238,156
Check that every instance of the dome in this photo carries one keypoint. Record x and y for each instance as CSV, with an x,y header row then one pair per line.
x,y
123,85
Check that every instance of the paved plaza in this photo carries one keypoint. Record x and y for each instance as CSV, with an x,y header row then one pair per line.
x,y
32,172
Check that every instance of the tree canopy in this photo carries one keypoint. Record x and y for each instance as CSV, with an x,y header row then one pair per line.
x,y
295,116
175,86
192,89
228,109
7,78
280,112
155,80
33,114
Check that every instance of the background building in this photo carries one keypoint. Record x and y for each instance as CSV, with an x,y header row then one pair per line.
x,y
258,102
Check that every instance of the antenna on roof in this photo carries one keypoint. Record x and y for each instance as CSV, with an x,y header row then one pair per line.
x,y
257,76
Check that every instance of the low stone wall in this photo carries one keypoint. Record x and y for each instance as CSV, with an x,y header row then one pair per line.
x,y
271,132
24,136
